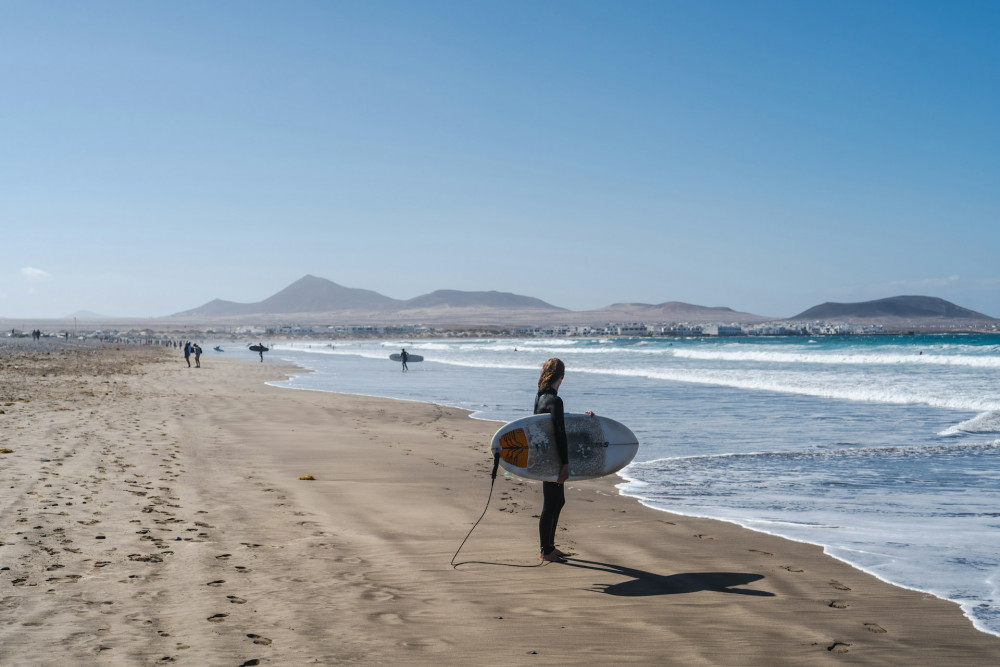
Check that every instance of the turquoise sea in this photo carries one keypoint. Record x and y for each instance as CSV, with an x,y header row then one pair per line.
x,y
885,450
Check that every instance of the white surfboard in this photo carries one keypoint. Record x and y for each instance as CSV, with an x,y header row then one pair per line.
x,y
597,446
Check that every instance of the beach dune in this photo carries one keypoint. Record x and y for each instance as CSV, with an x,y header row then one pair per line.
x,y
155,513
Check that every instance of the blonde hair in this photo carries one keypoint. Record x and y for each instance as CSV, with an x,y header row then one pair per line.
x,y
552,372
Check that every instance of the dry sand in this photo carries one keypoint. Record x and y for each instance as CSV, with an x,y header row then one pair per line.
x,y
151,513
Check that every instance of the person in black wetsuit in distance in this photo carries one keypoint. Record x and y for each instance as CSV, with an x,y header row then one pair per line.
x,y
553,493
404,356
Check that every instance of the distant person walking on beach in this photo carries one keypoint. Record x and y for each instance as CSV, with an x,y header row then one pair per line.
x,y
404,356
187,353
553,493
197,356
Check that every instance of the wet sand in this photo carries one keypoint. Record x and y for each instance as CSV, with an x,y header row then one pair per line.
x,y
153,513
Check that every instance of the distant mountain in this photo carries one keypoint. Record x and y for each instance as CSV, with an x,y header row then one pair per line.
x,y
318,296
317,300
457,299
893,308
311,294
673,311
306,295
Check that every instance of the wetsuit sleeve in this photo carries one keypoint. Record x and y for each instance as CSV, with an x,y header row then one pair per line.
x,y
559,426
552,404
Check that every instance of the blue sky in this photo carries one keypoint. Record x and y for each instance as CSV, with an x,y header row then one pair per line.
x,y
766,156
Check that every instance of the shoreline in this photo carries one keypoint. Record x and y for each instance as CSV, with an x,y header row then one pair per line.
x,y
970,609
854,566
212,549
617,479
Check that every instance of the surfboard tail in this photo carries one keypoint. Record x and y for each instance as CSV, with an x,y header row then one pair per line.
x,y
514,448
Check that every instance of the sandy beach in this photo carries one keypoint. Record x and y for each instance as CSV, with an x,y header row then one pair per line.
x,y
153,513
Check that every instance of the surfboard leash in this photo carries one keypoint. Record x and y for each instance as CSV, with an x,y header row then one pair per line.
x,y
493,481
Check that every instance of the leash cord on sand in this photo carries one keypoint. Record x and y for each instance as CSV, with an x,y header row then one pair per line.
x,y
493,481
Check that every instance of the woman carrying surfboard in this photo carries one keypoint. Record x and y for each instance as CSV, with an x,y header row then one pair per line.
x,y
553,493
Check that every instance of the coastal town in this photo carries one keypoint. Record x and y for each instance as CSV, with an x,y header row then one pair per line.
x,y
161,333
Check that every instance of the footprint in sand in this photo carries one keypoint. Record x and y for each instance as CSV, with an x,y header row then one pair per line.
x,y
257,639
145,558
217,618
837,647
876,628
379,595
839,586
792,568
838,604
387,617
762,553
235,600
217,582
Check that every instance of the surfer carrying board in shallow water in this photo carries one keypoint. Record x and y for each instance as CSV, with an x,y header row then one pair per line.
x,y
553,493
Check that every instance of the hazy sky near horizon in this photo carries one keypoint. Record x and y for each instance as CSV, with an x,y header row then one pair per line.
x,y
762,155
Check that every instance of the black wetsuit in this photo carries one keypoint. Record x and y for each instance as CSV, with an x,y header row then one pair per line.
x,y
553,494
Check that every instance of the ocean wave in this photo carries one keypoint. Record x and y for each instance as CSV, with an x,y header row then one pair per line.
x,y
838,358
986,422
836,385
851,382
745,460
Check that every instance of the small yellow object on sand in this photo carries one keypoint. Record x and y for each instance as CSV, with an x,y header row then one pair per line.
x,y
6,451
307,477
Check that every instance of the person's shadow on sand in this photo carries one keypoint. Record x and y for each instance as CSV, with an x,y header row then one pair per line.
x,y
647,583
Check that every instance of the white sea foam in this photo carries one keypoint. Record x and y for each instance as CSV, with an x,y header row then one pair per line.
x,y
843,376
986,422
840,358
842,385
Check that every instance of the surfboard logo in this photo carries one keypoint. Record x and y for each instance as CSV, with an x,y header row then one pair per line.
x,y
514,448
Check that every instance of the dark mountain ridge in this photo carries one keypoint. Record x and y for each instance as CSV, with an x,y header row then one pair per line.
x,y
893,308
